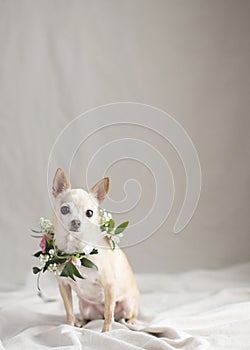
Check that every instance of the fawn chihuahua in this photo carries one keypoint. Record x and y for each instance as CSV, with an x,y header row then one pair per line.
x,y
109,292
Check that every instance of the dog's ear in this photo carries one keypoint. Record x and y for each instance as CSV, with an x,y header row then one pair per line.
x,y
60,182
101,189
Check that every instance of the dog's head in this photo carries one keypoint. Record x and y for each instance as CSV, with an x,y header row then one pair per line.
x,y
75,209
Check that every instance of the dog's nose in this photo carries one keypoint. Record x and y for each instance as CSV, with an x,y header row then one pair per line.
x,y
75,223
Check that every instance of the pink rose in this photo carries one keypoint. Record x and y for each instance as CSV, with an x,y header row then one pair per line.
x,y
43,243
75,261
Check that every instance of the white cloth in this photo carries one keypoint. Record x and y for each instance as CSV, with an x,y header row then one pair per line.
x,y
201,309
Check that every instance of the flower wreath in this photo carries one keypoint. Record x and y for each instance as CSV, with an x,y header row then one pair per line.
x,y
67,265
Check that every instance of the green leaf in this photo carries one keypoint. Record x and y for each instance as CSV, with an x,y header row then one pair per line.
x,y
111,224
36,231
54,260
87,263
34,236
36,270
70,271
46,266
74,270
121,228
49,244
37,254
94,251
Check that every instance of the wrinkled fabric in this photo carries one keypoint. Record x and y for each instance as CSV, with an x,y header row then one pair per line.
x,y
204,309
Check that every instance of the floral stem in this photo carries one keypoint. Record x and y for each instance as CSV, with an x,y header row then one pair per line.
x,y
38,282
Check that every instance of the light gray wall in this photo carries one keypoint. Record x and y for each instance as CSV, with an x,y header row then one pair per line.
x,y
189,58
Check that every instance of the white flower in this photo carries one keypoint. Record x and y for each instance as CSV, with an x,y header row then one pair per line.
x,y
87,249
115,239
53,268
105,217
46,225
44,257
51,252
104,233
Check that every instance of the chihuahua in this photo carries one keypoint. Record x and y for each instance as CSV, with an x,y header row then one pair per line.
x,y
109,292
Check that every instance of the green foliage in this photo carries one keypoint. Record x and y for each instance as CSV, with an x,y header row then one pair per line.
x,y
71,271
36,270
111,224
87,263
121,228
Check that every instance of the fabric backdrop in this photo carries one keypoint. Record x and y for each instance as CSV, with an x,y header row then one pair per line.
x,y
189,58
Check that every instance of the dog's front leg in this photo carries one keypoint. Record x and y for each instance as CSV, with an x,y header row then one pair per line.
x,y
66,294
109,307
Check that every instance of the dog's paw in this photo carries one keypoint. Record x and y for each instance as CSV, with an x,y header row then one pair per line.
x,y
130,320
80,323
70,320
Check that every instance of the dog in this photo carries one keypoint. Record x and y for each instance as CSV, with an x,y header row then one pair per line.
x,y
109,293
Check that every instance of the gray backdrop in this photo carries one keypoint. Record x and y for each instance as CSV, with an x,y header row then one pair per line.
x,y
189,58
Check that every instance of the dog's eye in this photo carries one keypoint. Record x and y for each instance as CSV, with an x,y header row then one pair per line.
x,y
89,213
64,210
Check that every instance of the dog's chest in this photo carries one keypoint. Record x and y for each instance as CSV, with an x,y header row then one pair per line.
x,y
90,288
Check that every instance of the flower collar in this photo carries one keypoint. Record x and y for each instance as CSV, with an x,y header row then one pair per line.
x,y
67,265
